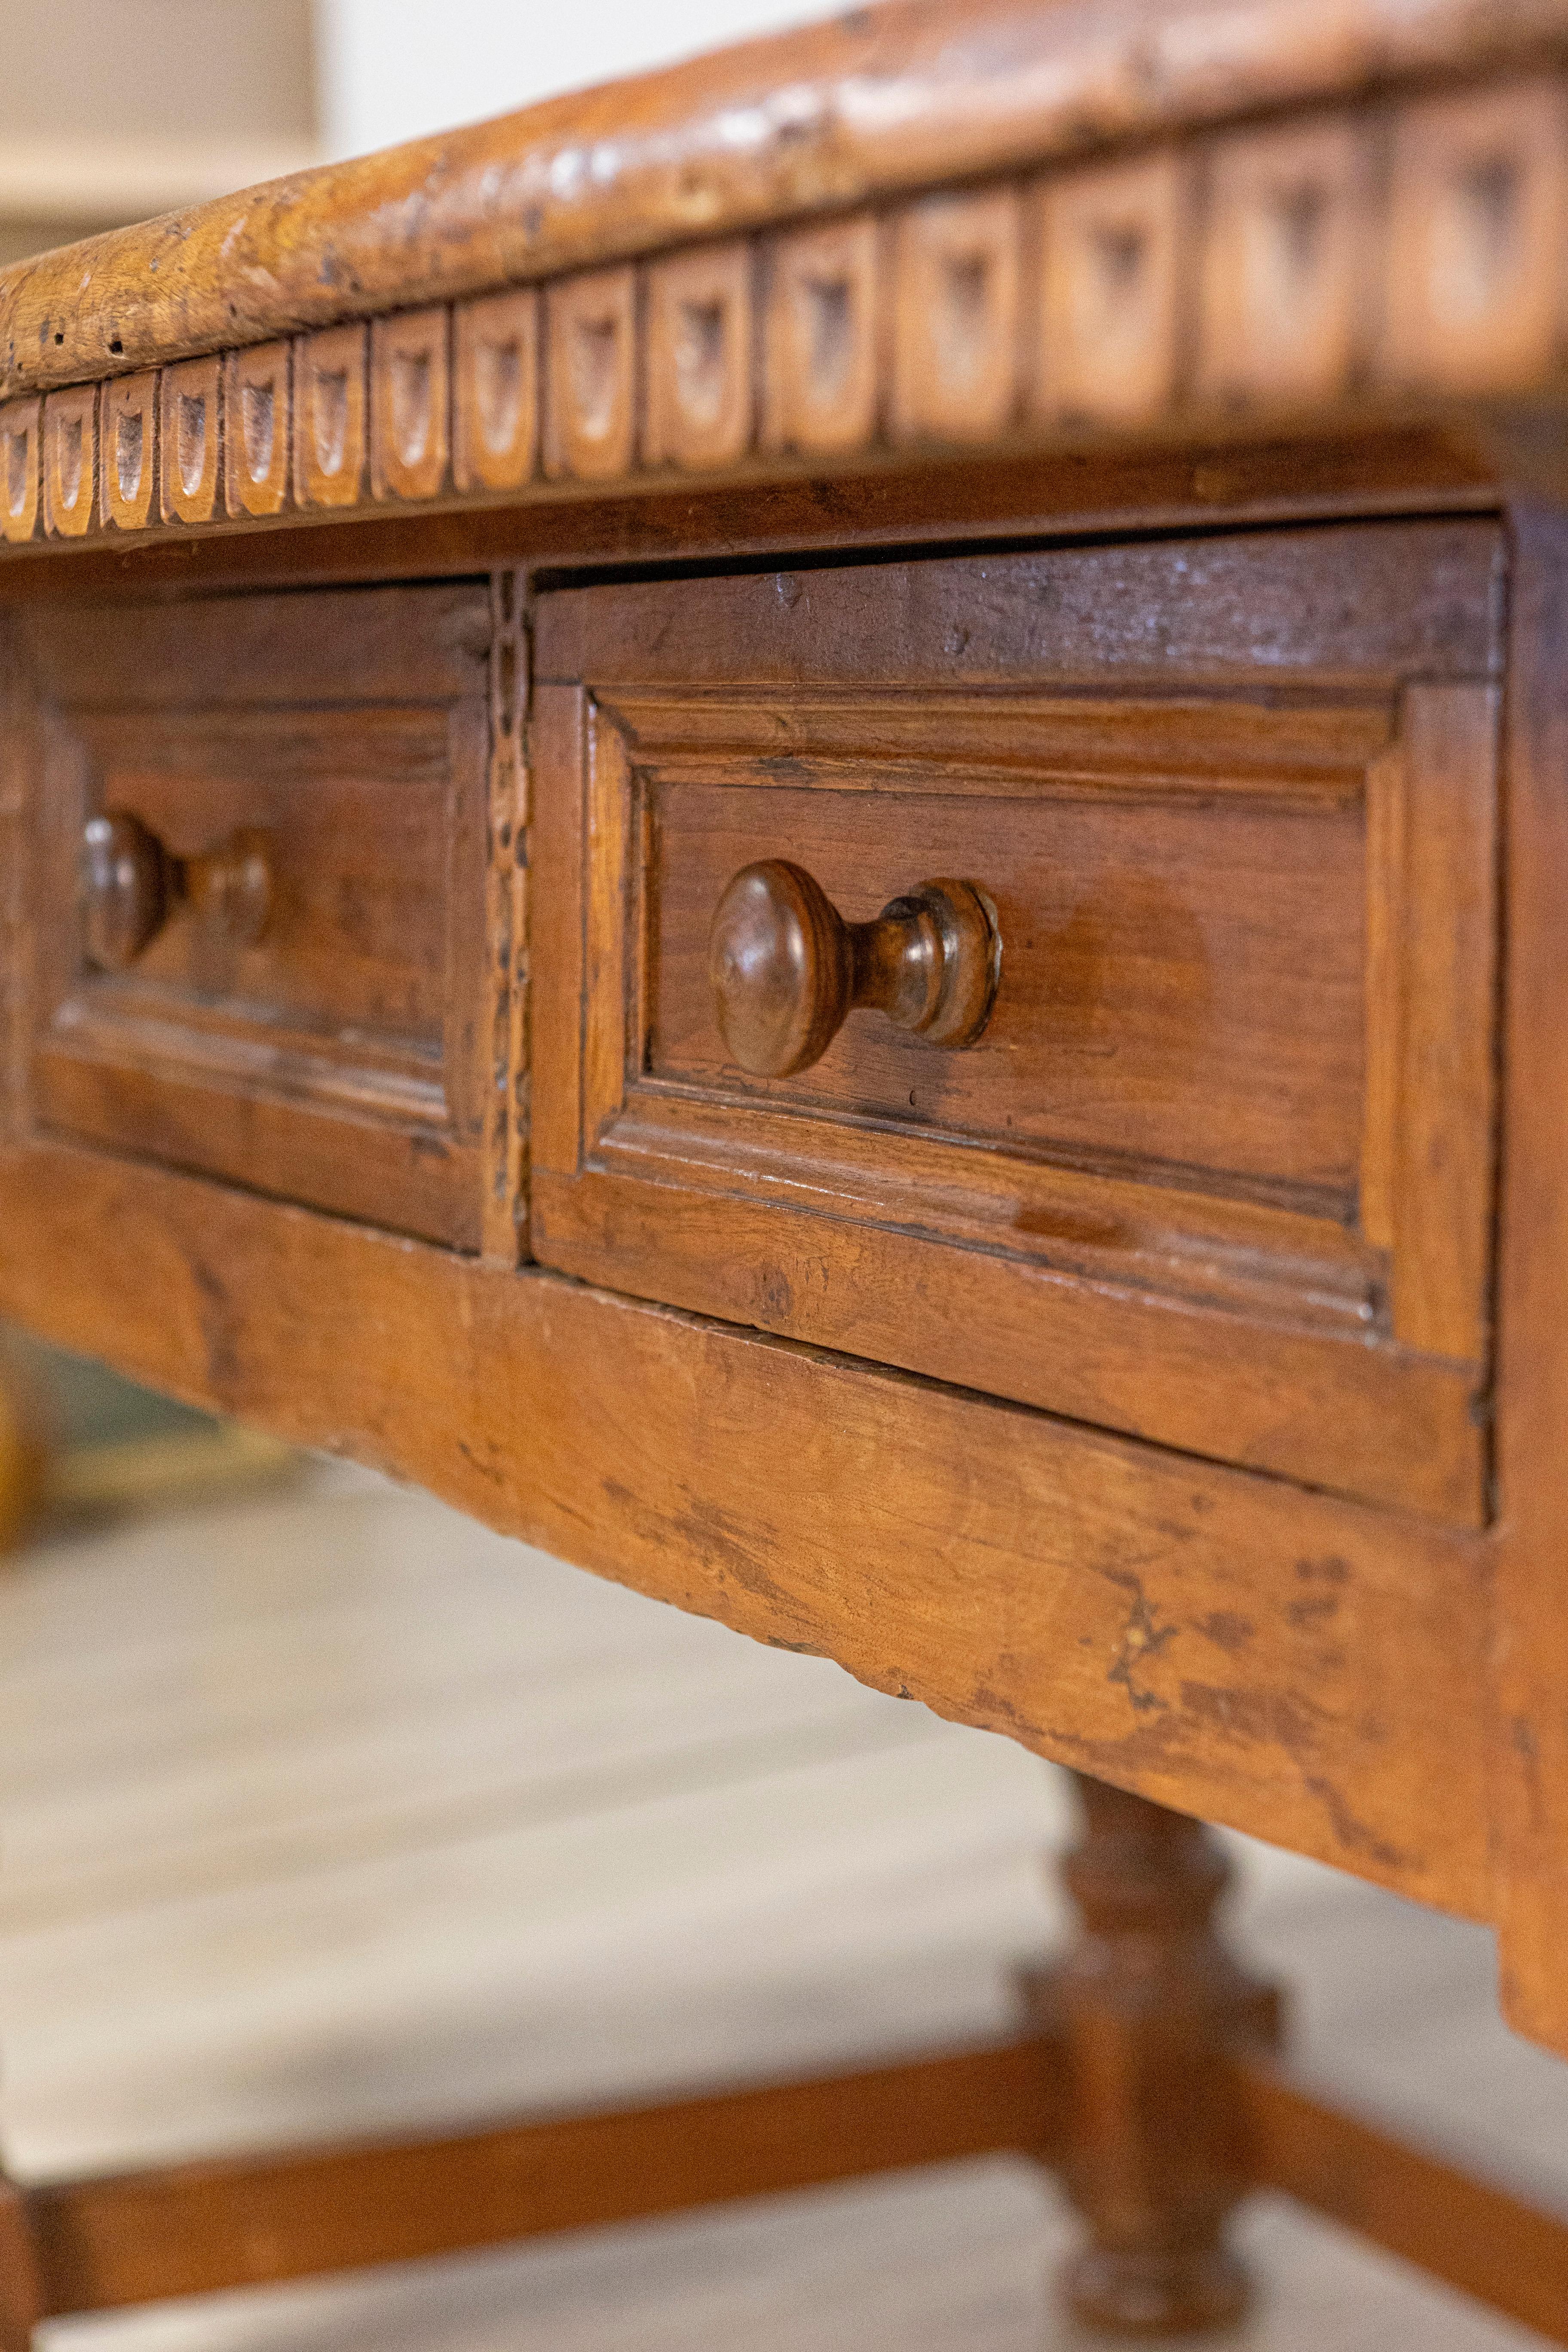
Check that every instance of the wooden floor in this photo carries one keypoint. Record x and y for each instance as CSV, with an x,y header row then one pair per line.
x,y
327,1811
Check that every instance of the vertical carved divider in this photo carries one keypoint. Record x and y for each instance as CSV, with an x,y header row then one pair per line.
x,y
505,1150
1148,2000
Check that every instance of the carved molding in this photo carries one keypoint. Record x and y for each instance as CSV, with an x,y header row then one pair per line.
x,y
1326,262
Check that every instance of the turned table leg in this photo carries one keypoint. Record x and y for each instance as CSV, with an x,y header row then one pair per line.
x,y
1147,1999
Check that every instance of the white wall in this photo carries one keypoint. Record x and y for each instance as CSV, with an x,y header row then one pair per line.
x,y
393,68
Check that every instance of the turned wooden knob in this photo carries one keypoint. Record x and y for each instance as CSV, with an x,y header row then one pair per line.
x,y
787,969
131,885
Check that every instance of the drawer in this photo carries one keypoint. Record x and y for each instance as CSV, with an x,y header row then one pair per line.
x,y
1216,1169
297,784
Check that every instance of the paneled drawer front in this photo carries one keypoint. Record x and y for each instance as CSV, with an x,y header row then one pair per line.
x,y
326,1047
1218,1168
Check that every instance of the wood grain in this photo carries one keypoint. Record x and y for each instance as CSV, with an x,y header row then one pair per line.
x,y
1446,1145
1306,1669
1342,1416
1152,1013
1266,606
1182,883
877,102
337,1057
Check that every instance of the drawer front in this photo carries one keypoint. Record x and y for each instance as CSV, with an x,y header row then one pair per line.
x,y
328,1052
1218,1168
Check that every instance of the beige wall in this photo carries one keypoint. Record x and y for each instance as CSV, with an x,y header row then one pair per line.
x,y
393,68
112,109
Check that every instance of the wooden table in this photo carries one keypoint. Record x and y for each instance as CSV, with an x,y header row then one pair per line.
x,y
803,826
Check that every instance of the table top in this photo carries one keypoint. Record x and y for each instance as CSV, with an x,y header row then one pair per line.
x,y
1328,222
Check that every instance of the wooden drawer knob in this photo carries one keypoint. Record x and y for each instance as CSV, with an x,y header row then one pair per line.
x,y
787,969
131,885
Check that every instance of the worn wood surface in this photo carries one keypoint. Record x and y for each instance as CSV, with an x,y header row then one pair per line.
x,y
1399,258
1260,1655
1219,610
821,118
857,279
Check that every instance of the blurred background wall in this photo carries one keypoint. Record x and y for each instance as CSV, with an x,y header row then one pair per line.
x,y
111,111
393,68
114,110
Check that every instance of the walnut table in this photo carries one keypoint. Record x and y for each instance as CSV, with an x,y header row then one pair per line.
x,y
807,825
